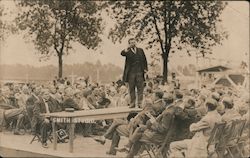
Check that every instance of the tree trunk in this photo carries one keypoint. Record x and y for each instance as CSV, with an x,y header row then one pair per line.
x,y
60,66
165,69
165,64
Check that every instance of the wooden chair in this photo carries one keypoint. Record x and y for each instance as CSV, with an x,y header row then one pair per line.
x,y
155,150
36,135
244,140
234,137
216,138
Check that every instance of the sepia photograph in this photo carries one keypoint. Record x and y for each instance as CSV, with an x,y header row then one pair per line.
x,y
124,79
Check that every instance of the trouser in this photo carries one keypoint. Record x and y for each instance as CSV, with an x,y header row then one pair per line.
x,y
179,148
117,122
120,130
136,135
136,80
143,136
14,114
87,128
30,111
44,129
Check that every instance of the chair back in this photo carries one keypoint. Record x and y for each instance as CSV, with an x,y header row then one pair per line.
x,y
216,134
236,130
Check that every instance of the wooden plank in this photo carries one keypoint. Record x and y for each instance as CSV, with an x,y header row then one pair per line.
x,y
88,119
71,136
94,112
54,135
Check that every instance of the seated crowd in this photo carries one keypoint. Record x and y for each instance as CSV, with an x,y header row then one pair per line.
x,y
22,106
178,120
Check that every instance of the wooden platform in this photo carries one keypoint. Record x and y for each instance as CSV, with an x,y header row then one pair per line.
x,y
18,146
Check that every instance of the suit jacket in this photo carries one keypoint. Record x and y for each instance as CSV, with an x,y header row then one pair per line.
x,y
155,109
206,124
202,129
31,100
163,127
128,63
39,108
7,103
70,103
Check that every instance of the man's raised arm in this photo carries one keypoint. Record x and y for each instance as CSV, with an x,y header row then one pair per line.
x,y
124,52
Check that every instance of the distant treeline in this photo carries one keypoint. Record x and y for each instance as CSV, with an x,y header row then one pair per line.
x,y
106,72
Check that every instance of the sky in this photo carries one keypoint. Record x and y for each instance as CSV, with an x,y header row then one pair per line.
x,y
235,20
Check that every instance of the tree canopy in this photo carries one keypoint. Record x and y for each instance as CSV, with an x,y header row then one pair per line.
x,y
169,25
54,25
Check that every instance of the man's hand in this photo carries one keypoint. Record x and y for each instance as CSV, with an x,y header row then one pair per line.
x,y
125,50
152,119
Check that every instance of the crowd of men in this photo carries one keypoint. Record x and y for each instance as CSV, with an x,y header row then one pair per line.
x,y
22,106
180,118
180,121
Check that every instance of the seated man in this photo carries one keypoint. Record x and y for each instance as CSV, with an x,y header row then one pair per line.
x,y
121,127
123,99
30,103
92,99
198,144
9,111
69,101
183,123
230,114
160,130
45,104
103,102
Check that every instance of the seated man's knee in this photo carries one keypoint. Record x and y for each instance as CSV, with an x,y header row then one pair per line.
x,y
177,145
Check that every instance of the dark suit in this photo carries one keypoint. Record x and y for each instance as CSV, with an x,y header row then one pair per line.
x,y
70,103
30,103
161,131
10,112
135,65
38,119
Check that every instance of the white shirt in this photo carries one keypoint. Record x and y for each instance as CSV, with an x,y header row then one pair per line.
x,y
46,106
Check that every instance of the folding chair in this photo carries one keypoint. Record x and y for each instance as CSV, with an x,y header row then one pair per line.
x,y
155,150
235,136
216,138
244,140
36,135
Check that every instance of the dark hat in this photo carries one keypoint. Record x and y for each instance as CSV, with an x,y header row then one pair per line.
x,y
178,94
159,93
190,102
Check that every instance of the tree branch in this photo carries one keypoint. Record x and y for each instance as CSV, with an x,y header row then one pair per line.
x,y
156,27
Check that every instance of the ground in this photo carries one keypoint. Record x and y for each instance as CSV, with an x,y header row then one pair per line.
x,y
19,146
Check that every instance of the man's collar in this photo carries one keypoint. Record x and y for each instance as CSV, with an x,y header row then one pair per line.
x,y
133,49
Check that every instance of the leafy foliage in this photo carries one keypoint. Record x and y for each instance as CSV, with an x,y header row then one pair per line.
x,y
6,28
54,25
169,25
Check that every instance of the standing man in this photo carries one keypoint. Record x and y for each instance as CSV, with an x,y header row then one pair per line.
x,y
135,67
